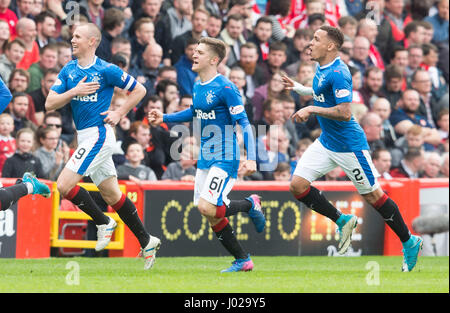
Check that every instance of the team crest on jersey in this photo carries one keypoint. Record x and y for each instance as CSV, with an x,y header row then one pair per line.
x,y
320,80
209,96
96,77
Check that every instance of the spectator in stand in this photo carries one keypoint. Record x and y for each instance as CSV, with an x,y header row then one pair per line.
x,y
23,160
414,34
113,25
167,73
299,43
175,22
445,165
411,165
254,75
393,82
278,11
4,34
7,142
272,148
46,28
397,17
51,153
133,169
48,60
168,91
94,10
360,58
414,138
431,165
288,124
267,91
429,103
233,37
368,28
39,95
64,53
357,85
184,169
349,26
8,15
372,84
146,8
185,75
440,22
121,45
382,161
415,58
443,123
300,148
282,172
214,25
144,35
179,43
18,82
382,107
272,112
275,60
146,70
407,115
371,123
430,62
13,54
18,110
24,8
261,37
26,30
400,58
124,6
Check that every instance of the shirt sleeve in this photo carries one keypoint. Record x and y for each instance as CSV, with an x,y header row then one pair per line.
x,y
233,100
342,86
118,78
60,85
5,96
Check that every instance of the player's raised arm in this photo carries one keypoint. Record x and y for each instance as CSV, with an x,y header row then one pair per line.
x,y
290,84
58,96
156,117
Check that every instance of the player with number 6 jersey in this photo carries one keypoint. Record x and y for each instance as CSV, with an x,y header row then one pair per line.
x,y
218,105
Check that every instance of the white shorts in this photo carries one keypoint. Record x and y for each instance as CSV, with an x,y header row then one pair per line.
x,y
213,185
93,156
318,160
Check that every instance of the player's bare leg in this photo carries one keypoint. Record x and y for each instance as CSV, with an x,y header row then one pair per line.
x,y
226,236
390,212
315,200
110,191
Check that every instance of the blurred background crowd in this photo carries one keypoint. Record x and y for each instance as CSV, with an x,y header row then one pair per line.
x,y
396,50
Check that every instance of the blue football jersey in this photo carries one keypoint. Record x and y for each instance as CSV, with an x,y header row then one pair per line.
x,y
218,105
332,85
86,109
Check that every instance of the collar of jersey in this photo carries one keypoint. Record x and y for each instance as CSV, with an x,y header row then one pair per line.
x,y
87,66
329,64
208,81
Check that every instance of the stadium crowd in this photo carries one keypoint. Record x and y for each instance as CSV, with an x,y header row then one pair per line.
x,y
397,52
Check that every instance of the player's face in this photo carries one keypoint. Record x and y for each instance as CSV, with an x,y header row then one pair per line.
x,y
202,58
319,45
80,41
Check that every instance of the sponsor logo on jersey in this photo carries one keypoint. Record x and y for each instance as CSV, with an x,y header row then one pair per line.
x,y
320,98
88,98
205,115
237,109
341,93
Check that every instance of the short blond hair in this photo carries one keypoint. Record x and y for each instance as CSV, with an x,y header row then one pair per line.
x,y
217,46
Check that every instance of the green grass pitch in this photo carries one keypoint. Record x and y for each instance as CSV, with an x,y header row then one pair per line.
x,y
368,274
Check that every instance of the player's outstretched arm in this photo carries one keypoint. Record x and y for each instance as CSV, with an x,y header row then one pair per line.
x,y
177,117
290,84
340,112
56,100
